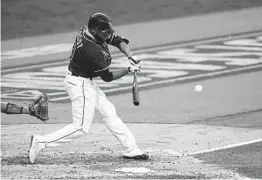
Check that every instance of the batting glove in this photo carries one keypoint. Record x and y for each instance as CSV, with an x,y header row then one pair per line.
x,y
134,68
134,59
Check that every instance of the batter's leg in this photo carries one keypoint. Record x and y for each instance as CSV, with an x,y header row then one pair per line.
x,y
83,96
117,127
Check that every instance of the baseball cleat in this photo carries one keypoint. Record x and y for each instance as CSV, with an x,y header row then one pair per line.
x,y
136,154
138,157
35,148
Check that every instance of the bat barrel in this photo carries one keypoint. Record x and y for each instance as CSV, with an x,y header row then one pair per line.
x,y
136,103
135,91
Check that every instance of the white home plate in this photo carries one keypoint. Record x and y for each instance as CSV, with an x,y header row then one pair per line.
x,y
135,170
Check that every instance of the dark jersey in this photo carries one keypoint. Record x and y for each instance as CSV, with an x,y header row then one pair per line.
x,y
90,56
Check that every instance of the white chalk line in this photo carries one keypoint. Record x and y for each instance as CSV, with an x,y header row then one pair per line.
x,y
197,42
174,153
178,154
225,147
235,174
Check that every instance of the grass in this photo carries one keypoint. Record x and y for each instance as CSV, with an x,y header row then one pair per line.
x,y
21,18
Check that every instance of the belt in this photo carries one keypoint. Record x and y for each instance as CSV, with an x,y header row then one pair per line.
x,y
81,74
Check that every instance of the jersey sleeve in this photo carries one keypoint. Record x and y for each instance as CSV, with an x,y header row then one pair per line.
x,y
105,75
115,40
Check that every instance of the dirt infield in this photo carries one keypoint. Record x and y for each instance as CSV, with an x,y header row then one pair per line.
x,y
104,166
34,17
97,155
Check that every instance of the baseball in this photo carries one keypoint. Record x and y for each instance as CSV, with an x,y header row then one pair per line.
x,y
198,88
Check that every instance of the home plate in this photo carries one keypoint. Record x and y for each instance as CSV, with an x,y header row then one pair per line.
x,y
135,170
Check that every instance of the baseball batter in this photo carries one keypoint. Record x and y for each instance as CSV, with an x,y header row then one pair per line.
x,y
91,58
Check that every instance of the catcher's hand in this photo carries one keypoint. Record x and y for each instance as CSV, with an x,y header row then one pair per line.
x,y
39,107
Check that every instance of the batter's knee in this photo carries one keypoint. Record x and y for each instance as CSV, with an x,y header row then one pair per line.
x,y
80,126
108,110
82,123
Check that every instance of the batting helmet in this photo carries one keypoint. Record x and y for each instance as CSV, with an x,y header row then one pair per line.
x,y
100,25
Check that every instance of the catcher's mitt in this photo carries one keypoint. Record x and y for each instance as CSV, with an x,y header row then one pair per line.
x,y
39,107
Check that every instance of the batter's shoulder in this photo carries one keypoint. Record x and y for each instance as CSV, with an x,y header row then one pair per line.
x,y
87,36
115,40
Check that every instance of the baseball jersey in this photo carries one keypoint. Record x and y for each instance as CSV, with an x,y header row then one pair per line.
x,y
90,56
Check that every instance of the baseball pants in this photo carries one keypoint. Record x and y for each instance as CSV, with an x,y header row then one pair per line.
x,y
86,96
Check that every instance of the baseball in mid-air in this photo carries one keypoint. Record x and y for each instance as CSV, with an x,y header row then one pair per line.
x,y
198,88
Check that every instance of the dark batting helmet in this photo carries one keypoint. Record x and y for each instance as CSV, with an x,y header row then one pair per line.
x,y
100,26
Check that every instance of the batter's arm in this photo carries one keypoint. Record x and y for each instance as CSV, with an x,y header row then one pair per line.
x,y
125,49
121,43
109,76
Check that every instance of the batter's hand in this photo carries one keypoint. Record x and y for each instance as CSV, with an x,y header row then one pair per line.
x,y
134,59
134,68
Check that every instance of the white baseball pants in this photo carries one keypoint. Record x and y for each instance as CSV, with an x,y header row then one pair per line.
x,y
86,96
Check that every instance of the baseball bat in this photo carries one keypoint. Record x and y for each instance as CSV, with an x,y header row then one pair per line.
x,y
135,91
